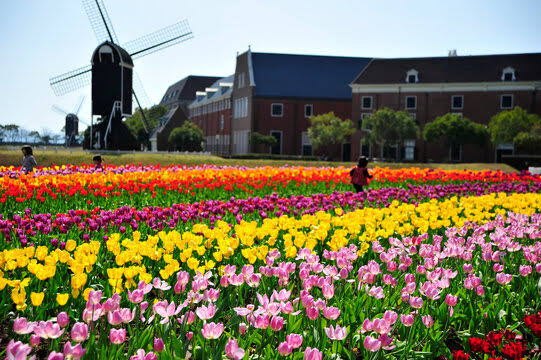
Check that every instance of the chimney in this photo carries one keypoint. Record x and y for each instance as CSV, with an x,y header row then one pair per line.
x,y
452,53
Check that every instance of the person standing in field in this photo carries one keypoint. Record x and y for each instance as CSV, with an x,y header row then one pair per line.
x,y
97,162
359,174
29,163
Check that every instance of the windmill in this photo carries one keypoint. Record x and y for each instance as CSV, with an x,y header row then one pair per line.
x,y
71,127
111,75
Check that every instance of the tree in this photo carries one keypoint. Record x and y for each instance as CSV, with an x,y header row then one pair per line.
x,y
12,132
456,130
528,142
329,130
257,138
35,136
506,125
135,122
389,127
188,137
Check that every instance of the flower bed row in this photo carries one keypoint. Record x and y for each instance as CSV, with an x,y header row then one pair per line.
x,y
164,186
401,298
81,224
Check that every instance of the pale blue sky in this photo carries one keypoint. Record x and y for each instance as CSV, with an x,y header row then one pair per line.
x,y
42,38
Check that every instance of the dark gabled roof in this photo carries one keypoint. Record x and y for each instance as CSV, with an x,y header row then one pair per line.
x,y
452,69
185,89
306,76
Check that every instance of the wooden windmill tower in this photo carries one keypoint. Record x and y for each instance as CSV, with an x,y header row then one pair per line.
x,y
112,78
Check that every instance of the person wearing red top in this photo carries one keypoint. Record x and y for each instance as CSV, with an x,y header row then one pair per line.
x,y
97,162
359,174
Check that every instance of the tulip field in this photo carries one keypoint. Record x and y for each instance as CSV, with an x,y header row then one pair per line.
x,y
206,262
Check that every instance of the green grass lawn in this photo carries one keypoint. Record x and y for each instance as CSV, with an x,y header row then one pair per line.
x,y
64,157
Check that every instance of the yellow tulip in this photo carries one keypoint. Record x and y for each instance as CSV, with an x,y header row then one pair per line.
x,y
37,298
62,299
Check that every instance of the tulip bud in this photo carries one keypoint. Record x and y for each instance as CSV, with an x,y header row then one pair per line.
x,y
158,345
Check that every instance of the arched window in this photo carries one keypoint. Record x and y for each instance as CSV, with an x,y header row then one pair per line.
x,y
412,76
508,74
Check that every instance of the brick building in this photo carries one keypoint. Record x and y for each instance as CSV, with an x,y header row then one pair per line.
x,y
177,98
211,111
477,87
275,94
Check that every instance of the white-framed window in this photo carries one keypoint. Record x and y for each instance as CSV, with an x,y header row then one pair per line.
x,y
366,103
457,102
411,102
506,102
277,110
412,76
362,125
306,148
240,80
409,149
308,110
222,122
508,74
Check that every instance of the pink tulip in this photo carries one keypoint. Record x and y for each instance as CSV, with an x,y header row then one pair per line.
x,y
386,342
377,292
94,297
21,326
166,310
328,291
117,336
34,340
503,278
206,312
312,313
371,344
73,352
136,296
212,330
62,319
158,345
381,326
427,321
367,326
525,270
390,316
312,354
468,268
212,294
338,333
294,340
277,323
261,322
141,355
281,296
480,290
48,330
451,300
331,313
285,349
55,356
416,302
17,350
92,315
79,332
243,328
407,320
233,351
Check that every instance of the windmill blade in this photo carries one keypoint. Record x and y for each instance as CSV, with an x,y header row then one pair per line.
x,y
82,122
70,81
76,112
100,21
59,110
160,39
138,88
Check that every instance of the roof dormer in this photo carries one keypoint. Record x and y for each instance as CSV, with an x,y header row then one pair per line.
x,y
508,74
412,76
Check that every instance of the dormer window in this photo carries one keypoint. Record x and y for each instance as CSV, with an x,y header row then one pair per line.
x,y
412,76
508,74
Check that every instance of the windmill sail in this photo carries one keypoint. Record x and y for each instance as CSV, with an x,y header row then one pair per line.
x,y
100,21
70,81
158,40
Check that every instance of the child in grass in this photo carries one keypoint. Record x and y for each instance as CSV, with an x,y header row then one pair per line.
x,y
359,174
97,162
